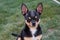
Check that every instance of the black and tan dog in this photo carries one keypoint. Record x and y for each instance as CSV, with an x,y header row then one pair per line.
x,y
32,29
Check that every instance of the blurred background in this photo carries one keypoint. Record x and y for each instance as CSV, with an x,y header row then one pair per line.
x,y
11,19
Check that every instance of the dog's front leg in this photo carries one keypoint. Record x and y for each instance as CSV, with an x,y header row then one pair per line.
x,y
39,37
18,38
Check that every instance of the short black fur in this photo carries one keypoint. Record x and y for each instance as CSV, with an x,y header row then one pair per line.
x,y
26,32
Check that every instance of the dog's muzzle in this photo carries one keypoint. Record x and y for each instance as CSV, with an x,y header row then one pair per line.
x,y
33,23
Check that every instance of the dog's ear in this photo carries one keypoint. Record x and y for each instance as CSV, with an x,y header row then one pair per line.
x,y
39,8
24,9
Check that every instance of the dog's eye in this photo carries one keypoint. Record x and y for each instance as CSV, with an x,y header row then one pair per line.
x,y
37,20
28,20
29,17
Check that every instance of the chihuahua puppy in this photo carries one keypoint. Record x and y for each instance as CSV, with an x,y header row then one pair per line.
x,y
32,29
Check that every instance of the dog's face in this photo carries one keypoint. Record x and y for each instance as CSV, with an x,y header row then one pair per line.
x,y
32,17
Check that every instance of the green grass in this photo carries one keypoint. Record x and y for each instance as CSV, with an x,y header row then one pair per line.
x,y
59,0
11,19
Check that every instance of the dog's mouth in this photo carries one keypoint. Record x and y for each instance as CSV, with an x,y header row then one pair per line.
x,y
33,24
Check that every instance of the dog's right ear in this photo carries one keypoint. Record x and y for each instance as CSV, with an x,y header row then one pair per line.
x,y
39,8
24,9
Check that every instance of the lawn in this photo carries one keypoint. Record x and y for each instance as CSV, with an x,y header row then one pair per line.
x,y
59,0
11,19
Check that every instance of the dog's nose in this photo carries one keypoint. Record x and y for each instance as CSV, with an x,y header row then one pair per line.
x,y
33,24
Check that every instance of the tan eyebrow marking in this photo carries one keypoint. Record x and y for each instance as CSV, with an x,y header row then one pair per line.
x,y
29,17
35,16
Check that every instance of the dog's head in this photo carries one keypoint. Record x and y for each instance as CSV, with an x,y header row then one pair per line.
x,y
32,16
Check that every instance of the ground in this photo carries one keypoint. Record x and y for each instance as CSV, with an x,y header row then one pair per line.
x,y
59,0
11,19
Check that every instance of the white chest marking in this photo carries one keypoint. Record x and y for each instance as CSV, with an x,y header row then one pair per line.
x,y
33,32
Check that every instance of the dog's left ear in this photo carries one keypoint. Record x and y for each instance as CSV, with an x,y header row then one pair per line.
x,y
24,9
39,8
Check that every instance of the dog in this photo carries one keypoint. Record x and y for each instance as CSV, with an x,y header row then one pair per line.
x,y
32,29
